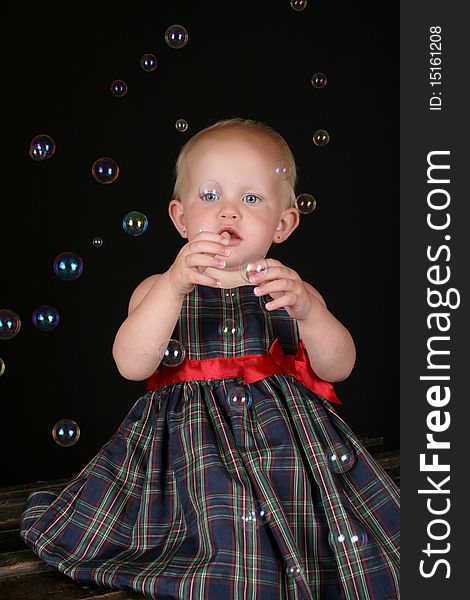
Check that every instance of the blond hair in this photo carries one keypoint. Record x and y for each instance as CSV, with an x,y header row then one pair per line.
x,y
247,125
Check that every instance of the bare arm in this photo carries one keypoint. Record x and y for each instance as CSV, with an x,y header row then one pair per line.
x,y
154,309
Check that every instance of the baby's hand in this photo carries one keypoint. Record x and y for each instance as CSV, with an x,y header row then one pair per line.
x,y
206,249
286,288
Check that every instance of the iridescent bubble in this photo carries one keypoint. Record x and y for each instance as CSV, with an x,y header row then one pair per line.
x,y
321,137
210,191
10,324
41,147
173,353
253,517
135,223
105,170
252,265
295,572
239,397
119,88
2,366
229,329
181,125
348,539
282,170
97,242
148,62
68,266
46,318
176,36
319,80
305,203
66,432
298,5
341,458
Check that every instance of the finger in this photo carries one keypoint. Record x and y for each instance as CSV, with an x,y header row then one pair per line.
x,y
273,273
202,279
205,260
278,285
223,238
286,300
196,247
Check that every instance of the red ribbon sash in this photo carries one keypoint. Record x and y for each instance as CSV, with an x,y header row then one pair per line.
x,y
249,368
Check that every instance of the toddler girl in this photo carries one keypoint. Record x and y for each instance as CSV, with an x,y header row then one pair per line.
x,y
233,476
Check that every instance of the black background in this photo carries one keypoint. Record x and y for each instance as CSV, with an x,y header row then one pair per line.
x,y
247,59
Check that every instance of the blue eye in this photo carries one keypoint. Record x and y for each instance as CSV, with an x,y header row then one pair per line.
x,y
252,199
210,197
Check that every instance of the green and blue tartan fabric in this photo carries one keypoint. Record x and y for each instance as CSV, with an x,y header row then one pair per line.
x,y
194,499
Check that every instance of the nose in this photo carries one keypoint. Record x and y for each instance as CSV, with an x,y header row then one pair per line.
x,y
229,211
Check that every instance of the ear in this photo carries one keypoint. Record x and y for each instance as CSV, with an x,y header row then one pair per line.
x,y
288,223
176,212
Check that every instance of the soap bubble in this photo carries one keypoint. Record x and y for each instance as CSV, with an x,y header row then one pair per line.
x,y
348,539
68,266
298,5
105,170
2,366
135,223
173,353
252,265
10,324
321,137
239,397
66,432
119,88
176,36
41,147
181,125
319,80
210,191
305,203
97,242
148,62
341,458
229,328
253,517
282,170
45,318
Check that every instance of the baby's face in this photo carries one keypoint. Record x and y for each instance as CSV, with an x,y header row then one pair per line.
x,y
229,183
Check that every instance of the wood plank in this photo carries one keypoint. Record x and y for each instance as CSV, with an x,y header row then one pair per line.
x,y
56,586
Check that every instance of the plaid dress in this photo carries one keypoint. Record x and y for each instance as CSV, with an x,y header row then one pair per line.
x,y
212,488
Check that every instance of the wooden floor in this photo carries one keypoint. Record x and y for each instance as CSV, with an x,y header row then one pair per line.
x,y
23,576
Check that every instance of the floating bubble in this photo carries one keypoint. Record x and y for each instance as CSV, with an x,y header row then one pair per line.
x,y
229,328
341,458
305,203
105,170
210,191
68,266
135,223
298,5
148,62
46,318
282,170
2,366
176,36
239,397
173,353
253,518
321,137
181,125
348,539
319,80
252,265
41,147
119,88
295,572
97,242
10,324
66,432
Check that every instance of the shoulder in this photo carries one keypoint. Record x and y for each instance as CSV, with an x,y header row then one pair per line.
x,y
141,291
